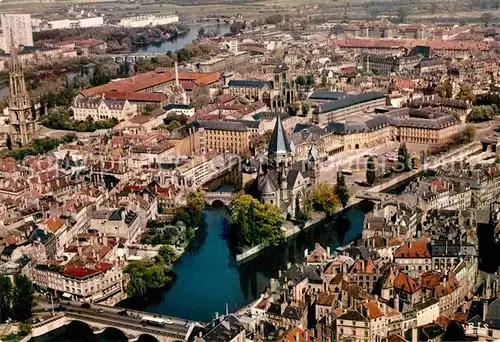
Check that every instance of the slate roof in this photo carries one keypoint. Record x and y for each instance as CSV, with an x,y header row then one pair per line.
x,y
227,329
327,95
278,145
353,315
237,126
249,83
350,100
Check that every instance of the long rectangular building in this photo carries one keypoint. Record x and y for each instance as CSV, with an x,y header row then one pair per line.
x,y
348,106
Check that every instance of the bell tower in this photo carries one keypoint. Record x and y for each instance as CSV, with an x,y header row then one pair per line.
x,y
22,121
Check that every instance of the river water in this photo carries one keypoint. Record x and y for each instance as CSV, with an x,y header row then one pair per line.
x,y
208,276
181,41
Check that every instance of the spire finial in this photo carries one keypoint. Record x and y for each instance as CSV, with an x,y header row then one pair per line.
x,y
14,63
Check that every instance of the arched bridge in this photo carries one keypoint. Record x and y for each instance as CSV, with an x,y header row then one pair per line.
x,y
130,326
224,197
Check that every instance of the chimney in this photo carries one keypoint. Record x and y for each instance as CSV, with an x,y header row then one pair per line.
x,y
396,302
297,336
485,309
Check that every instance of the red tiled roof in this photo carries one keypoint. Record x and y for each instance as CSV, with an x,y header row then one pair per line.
x,y
430,279
79,271
405,283
292,334
137,97
373,309
443,321
150,79
417,249
53,224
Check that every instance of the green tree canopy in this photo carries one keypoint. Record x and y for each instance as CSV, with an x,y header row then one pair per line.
x,y
324,199
5,297
254,223
343,194
371,171
22,298
168,254
404,159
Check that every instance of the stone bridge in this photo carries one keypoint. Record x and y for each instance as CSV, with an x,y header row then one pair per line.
x,y
224,197
134,57
131,328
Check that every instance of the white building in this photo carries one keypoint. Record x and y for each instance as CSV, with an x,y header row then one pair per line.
x,y
427,311
17,27
100,108
149,20
73,23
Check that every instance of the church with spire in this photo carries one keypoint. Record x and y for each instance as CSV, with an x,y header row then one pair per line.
x,y
22,119
282,180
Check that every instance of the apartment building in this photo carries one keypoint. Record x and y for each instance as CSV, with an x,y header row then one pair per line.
x,y
16,30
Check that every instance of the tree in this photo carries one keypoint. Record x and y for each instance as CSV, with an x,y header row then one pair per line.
x,y
305,108
136,287
342,193
486,18
324,81
324,199
402,15
168,254
293,108
404,159
5,298
173,125
310,81
454,332
22,299
445,89
469,133
254,223
340,178
466,93
455,114
8,142
200,96
371,171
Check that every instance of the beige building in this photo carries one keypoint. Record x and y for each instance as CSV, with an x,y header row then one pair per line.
x,y
16,30
99,108
353,326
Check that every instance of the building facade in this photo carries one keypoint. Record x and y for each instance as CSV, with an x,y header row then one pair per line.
x,y
16,31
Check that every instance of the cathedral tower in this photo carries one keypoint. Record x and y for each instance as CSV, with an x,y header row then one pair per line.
x,y
22,120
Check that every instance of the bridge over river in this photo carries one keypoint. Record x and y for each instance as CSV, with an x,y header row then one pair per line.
x,y
100,318
223,197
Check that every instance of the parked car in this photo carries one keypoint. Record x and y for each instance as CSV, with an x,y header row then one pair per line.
x,y
122,313
100,310
85,305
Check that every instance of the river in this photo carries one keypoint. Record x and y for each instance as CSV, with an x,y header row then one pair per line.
x,y
208,276
181,41
170,45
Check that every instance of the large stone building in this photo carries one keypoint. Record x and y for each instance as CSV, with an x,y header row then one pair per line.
x,y
284,181
348,106
427,127
387,64
98,107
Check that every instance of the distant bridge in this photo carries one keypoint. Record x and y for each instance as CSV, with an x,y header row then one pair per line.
x,y
224,197
131,327
134,57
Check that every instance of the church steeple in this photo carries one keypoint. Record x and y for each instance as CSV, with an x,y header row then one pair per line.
x,y
22,123
279,145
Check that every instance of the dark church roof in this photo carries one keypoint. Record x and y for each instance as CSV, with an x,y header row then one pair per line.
x,y
279,142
